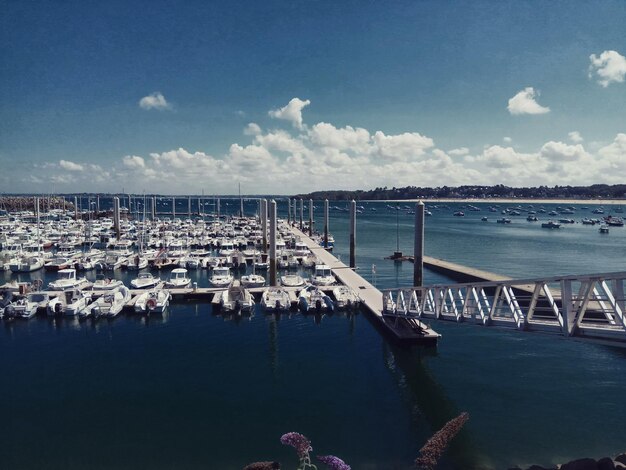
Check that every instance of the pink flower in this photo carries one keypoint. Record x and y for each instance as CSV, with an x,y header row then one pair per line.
x,y
334,463
298,442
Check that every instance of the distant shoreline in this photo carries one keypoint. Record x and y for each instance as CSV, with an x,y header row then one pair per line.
x,y
494,200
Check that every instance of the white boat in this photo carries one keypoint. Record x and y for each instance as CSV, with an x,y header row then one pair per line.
x,y
145,281
312,298
604,228
236,299
135,263
78,304
346,297
111,303
5,301
27,264
309,261
67,280
112,262
550,224
178,279
106,283
73,298
275,299
26,307
153,301
252,280
322,276
292,280
221,277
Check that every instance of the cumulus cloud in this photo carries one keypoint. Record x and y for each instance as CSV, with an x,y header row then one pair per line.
x,y
507,140
155,100
609,67
575,137
292,112
252,129
133,161
402,146
524,102
71,166
459,152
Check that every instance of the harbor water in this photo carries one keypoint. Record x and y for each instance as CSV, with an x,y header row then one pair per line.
x,y
191,389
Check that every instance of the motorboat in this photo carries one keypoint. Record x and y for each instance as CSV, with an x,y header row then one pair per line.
x,y
346,297
113,262
221,277
27,264
252,280
312,298
309,261
459,214
550,224
78,304
292,280
136,263
145,281
68,280
503,220
532,218
275,299
322,276
178,279
69,302
588,221
567,221
111,303
106,283
236,299
152,301
604,228
614,221
5,301
58,263
484,218
27,307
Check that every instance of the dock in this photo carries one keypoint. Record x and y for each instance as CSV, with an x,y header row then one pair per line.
x,y
403,330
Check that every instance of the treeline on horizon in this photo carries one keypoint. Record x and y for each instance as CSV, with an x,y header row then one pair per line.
x,y
603,191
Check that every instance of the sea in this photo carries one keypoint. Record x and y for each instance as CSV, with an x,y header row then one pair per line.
x,y
191,389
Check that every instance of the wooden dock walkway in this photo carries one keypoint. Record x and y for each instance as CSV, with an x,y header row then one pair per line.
x,y
403,330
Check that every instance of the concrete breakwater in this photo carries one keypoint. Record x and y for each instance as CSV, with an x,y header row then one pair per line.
x,y
605,463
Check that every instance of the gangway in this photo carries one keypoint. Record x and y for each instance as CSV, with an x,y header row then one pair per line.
x,y
589,307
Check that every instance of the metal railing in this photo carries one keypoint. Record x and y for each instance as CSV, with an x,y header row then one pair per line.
x,y
588,306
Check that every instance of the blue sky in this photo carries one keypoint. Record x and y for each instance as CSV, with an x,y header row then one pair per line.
x,y
389,93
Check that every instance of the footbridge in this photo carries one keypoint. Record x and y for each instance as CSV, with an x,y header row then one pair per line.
x,y
589,307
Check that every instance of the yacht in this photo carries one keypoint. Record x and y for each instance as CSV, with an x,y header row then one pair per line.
x,y
322,276
27,264
69,302
550,224
252,280
221,277
292,280
145,281
67,280
26,307
106,283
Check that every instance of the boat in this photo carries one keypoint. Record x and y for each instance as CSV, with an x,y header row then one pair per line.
x,y
550,224
503,220
58,263
178,279
346,297
275,299
111,303
236,299
312,298
292,280
75,299
484,218
614,221
252,280
459,214
27,264
322,276
152,301
567,221
532,218
604,228
221,277
5,301
27,307
588,221
145,281
67,280
136,263
79,304
105,283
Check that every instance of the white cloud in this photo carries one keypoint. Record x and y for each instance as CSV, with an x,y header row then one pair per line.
x,y
71,166
155,100
133,161
459,152
575,137
252,129
507,140
327,135
524,103
292,112
609,67
401,146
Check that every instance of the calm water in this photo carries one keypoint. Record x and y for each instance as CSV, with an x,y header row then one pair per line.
x,y
193,390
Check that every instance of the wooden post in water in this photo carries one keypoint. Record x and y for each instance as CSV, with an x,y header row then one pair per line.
x,y
418,246
310,217
325,223
116,216
301,214
353,234
264,222
273,280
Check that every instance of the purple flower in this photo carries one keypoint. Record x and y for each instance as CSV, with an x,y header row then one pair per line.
x,y
298,442
334,463
262,466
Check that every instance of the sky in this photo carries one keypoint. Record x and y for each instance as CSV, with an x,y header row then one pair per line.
x,y
287,97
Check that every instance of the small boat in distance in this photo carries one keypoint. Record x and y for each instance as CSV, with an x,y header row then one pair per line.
x,y
550,224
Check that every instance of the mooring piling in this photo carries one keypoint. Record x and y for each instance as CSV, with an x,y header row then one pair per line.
x,y
418,246
273,280
353,234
